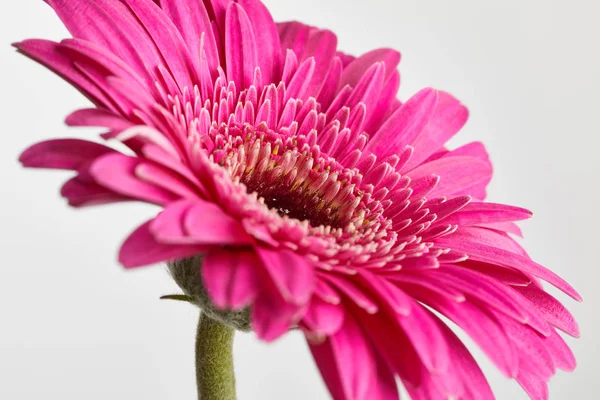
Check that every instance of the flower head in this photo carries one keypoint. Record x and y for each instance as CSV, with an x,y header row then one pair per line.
x,y
315,197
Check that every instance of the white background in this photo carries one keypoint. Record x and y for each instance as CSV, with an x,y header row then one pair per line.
x,y
75,325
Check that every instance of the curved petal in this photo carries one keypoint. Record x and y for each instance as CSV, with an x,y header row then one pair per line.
x,y
71,154
231,277
141,248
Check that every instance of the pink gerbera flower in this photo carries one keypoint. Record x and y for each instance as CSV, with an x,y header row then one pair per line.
x,y
316,199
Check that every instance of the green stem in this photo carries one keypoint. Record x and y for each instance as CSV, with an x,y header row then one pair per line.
x,y
214,360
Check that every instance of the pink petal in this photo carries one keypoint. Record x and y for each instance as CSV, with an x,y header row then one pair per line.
x,y
472,382
272,316
368,88
292,274
71,154
561,354
98,117
448,118
49,54
494,255
321,45
456,173
116,171
83,192
404,125
482,326
207,223
535,387
323,318
267,39
230,277
192,20
141,248
476,213
112,25
347,358
167,39
552,310
293,35
240,47
358,67
384,106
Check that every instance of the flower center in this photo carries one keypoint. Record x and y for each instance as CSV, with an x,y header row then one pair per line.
x,y
291,177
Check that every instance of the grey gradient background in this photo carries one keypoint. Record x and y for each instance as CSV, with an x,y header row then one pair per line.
x,y
74,325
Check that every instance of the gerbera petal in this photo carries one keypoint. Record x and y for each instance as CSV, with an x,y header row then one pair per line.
x,y
405,125
292,274
116,171
207,223
240,47
323,318
231,277
552,310
113,26
456,174
267,39
448,118
356,69
192,20
494,255
349,355
49,54
70,154
141,248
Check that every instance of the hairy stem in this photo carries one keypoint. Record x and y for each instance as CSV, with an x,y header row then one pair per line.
x,y
214,360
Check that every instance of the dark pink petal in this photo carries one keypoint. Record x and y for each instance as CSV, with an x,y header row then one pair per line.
x,y
476,213
206,222
168,227
477,150
358,67
506,275
535,387
141,248
70,154
321,45
349,360
456,174
231,277
508,227
192,20
293,35
323,318
448,118
394,347
83,192
328,91
271,315
493,255
325,358
117,172
384,107
560,352
267,39
292,274
112,25
472,381
368,88
240,47
99,118
552,310
479,324
167,39
405,125
48,54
